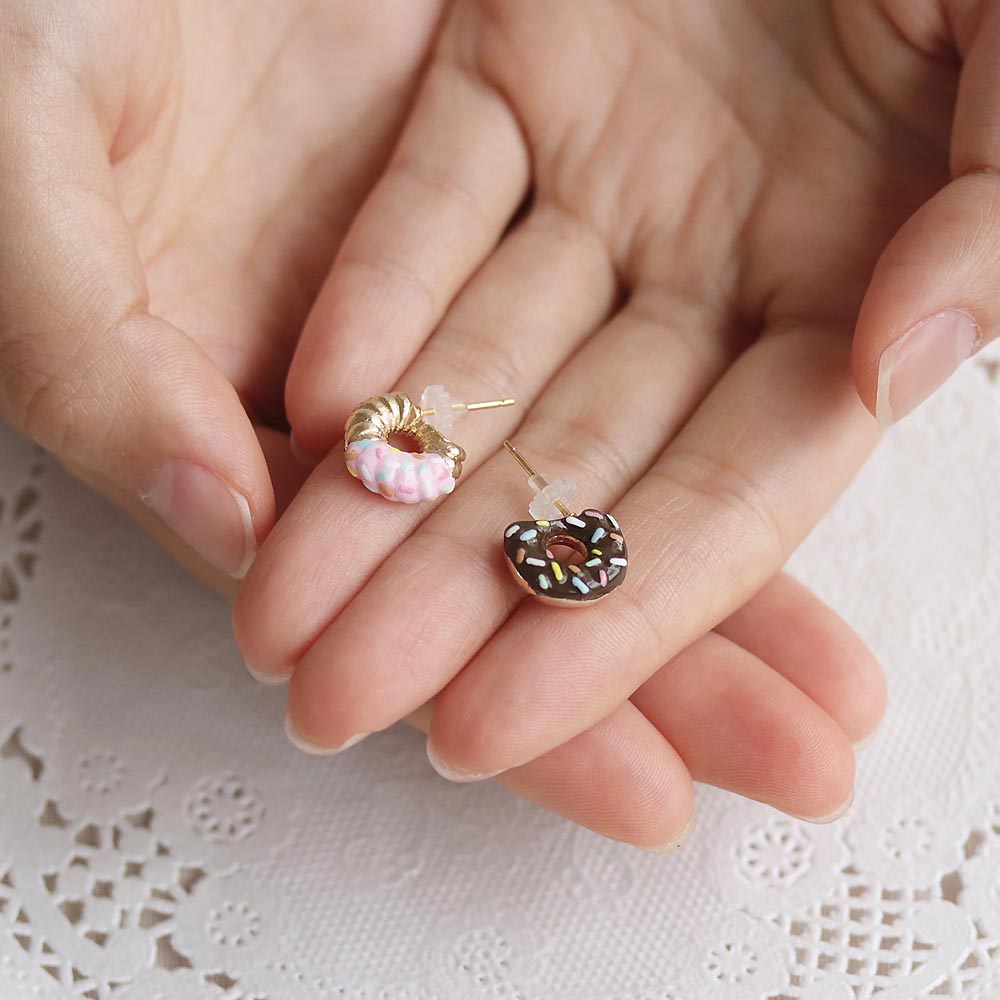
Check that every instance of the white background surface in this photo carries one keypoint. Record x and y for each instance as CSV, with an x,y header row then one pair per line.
x,y
159,839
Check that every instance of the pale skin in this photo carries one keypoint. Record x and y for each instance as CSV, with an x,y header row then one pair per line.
x,y
712,188
172,239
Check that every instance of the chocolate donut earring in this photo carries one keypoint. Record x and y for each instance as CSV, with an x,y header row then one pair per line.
x,y
597,558
403,476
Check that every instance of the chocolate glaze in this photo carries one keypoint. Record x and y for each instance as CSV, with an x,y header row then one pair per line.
x,y
599,569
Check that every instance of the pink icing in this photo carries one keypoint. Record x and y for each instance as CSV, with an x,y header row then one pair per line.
x,y
402,476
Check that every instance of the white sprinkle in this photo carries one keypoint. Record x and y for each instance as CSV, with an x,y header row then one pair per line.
x,y
618,562
535,562
576,521
512,530
614,522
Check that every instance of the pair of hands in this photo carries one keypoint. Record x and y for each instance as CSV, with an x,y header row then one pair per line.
x,y
712,186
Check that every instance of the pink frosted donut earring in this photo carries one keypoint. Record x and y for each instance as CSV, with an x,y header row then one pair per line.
x,y
405,476
560,557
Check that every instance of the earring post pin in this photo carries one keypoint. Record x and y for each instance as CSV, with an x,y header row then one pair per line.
x,y
487,405
532,474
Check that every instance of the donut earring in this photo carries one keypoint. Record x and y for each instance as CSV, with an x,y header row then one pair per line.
x,y
403,476
560,557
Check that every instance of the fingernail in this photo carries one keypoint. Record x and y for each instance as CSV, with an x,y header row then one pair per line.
x,y
835,815
269,677
921,361
300,454
453,773
207,513
315,749
675,843
864,742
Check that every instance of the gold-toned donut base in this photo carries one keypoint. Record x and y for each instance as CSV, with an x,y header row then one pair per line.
x,y
381,416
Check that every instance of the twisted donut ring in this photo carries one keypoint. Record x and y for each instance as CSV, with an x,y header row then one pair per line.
x,y
405,477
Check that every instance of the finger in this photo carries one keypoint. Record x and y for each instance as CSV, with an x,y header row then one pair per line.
x,y
335,693
286,474
811,646
712,521
620,779
286,471
740,725
452,186
84,369
548,285
934,300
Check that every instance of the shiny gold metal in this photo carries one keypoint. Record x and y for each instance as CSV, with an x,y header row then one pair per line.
x,y
395,413
532,474
488,405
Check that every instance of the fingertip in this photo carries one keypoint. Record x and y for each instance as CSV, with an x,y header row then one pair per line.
x,y
208,514
915,366
865,742
301,454
454,773
831,817
817,764
820,776
932,300
798,636
673,844
619,778
314,748
268,678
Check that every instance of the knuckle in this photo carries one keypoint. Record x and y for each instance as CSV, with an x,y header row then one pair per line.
x,y
440,183
45,404
394,277
476,361
737,497
580,443
67,393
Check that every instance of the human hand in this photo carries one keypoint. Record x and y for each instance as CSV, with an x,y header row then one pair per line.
x,y
177,176
763,706
933,300
680,338
784,679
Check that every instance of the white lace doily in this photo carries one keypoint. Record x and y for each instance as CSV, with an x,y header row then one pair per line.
x,y
160,840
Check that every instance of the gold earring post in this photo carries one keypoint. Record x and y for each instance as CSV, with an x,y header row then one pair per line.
x,y
532,474
488,405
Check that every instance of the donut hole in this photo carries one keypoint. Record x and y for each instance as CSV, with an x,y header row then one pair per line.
x,y
566,550
404,442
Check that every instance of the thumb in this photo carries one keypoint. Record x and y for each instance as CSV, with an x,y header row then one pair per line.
x,y
85,370
934,299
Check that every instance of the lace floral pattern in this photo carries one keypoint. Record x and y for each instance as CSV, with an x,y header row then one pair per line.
x,y
160,841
